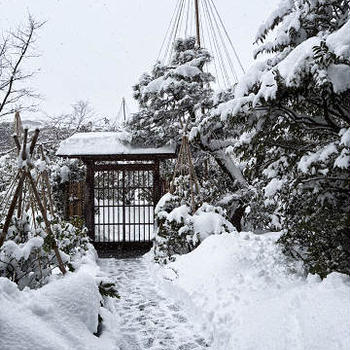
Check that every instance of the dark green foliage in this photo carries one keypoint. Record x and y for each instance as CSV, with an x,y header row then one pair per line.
x,y
322,243
108,289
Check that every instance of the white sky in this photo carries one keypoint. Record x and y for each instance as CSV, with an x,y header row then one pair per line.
x,y
97,49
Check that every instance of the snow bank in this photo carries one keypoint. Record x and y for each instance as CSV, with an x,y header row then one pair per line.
x,y
243,287
61,315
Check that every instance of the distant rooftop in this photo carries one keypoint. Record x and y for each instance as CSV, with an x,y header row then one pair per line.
x,y
95,144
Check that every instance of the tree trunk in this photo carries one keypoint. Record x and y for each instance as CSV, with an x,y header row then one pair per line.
x,y
225,162
228,166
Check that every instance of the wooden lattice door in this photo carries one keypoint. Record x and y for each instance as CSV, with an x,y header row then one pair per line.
x,y
124,196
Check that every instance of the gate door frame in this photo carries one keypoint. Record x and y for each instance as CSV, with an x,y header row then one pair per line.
x,y
92,167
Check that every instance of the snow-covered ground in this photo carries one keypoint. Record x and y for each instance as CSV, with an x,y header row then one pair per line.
x,y
247,295
235,291
149,318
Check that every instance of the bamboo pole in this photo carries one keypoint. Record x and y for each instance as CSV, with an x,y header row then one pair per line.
x,y
45,178
18,146
24,145
197,23
184,166
46,221
11,209
24,173
34,140
20,203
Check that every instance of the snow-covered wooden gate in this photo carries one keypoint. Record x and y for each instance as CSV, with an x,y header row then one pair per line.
x,y
122,187
124,195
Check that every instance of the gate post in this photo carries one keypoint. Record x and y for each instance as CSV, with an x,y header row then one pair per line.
x,y
123,213
156,183
89,203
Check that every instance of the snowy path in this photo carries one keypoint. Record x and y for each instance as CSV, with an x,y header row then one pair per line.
x,y
149,320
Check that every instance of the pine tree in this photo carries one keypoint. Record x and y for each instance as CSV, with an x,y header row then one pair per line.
x,y
171,95
180,91
291,113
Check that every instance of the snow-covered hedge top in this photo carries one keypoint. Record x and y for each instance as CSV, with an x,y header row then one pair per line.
x,y
105,143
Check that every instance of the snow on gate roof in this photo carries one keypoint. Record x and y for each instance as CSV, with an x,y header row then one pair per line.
x,y
108,144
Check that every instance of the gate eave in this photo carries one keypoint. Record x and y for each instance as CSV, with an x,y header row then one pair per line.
x,y
122,157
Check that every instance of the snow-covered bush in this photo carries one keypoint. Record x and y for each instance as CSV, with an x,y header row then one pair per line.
x,y
178,230
72,239
63,314
23,258
173,234
27,257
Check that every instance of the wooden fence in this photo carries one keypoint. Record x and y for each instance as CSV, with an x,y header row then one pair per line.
x,y
75,199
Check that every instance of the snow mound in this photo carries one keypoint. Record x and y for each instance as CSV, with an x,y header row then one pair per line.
x,y
207,222
61,315
252,298
22,250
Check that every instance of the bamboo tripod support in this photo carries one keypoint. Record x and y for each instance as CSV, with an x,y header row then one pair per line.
x,y
184,166
25,180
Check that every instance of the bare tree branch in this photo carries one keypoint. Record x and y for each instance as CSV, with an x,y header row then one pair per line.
x,y
14,50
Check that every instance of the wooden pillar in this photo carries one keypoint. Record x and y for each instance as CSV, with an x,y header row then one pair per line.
x,y
197,23
66,203
156,183
124,214
89,202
